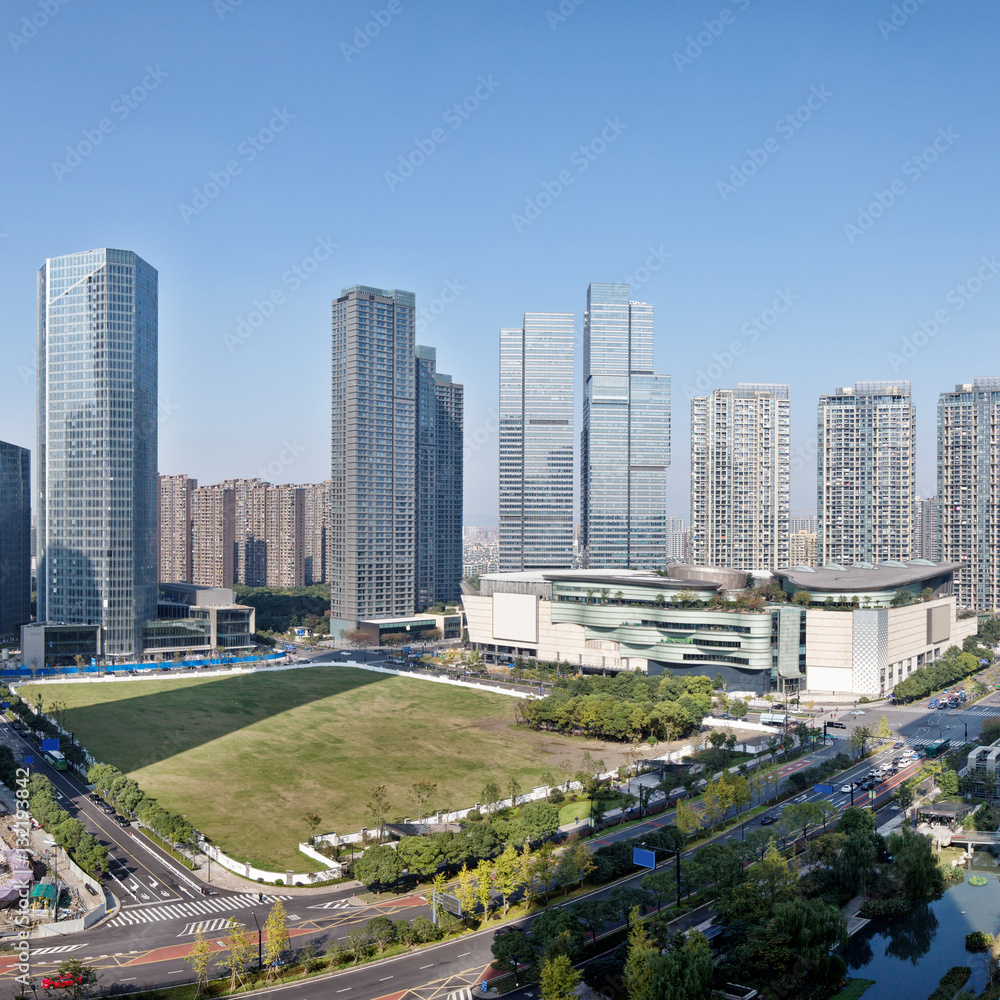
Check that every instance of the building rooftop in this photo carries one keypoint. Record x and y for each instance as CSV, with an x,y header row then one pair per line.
x,y
609,578
889,575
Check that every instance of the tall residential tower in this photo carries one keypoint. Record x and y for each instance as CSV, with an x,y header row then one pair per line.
x,y
536,443
15,539
740,477
625,442
97,475
968,490
866,439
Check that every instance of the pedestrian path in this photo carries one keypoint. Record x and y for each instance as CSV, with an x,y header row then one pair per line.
x,y
465,994
61,949
200,907
333,904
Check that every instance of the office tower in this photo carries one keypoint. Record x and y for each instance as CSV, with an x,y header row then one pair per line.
x,y
284,524
968,491
926,529
536,443
625,442
316,514
866,441
372,555
15,539
97,412
677,535
449,399
799,523
801,549
175,529
740,477
213,535
250,548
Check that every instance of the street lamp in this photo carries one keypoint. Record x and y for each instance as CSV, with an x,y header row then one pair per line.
x,y
669,850
260,949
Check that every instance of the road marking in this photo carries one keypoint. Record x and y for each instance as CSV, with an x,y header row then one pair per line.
x,y
385,979
348,990
465,954
176,972
422,967
132,980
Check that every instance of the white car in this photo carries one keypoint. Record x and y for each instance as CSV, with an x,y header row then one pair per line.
x,y
846,789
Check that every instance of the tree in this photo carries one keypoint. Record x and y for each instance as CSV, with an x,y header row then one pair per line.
x,y
508,875
558,932
275,937
484,872
241,952
802,597
803,816
537,821
627,899
492,796
313,821
905,795
882,730
594,914
639,965
513,790
466,893
422,792
198,958
688,818
378,867
661,885
544,866
859,738
382,931
511,949
558,978
738,708
378,806
88,978
357,943
914,866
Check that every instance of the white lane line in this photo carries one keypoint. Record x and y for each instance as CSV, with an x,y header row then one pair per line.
x,y
348,990
132,980
464,954
422,967
385,978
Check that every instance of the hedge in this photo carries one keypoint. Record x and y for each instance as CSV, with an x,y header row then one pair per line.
x,y
951,982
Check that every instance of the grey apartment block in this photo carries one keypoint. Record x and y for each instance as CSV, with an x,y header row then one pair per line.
x,y
866,438
372,550
213,536
316,514
536,443
625,442
15,535
968,492
175,528
740,477
97,439
449,400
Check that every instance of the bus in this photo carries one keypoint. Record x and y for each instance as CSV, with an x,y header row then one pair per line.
x,y
937,748
54,758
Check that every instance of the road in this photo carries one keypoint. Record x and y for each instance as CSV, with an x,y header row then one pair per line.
x,y
163,906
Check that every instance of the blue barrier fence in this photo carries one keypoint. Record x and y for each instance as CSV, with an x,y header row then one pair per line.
x,y
25,673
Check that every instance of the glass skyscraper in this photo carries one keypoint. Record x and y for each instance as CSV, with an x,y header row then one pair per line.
x,y
97,413
625,442
536,443
15,539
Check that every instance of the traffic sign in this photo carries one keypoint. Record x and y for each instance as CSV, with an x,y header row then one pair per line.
x,y
642,858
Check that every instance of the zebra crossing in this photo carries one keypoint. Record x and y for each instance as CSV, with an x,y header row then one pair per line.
x,y
61,949
465,994
206,926
200,907
333,904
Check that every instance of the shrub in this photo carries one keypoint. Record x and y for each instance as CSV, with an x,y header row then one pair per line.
x,y
951,982
863,700
473,816
556,797
978,941
279,881
873,908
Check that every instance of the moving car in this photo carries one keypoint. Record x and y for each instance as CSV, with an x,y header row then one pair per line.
x,y
898,746
845,788
858,711
768,820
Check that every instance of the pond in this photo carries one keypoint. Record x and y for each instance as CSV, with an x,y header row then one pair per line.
x,y
907,957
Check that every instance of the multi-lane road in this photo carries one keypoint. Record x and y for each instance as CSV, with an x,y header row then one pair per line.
x,y
163,906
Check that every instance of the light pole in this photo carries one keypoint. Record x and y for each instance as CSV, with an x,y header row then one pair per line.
x,y
260,947
669,850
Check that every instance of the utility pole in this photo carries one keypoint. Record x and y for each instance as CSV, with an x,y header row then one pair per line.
x,y
260,945
669,850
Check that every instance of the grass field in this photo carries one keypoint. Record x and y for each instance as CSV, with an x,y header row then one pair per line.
x,y
245,758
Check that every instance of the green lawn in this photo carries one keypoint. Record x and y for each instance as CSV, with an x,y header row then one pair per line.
x,y
244,758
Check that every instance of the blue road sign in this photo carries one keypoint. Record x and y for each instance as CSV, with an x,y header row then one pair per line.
x,y
824,789
4,704
984,663
51,744
644,859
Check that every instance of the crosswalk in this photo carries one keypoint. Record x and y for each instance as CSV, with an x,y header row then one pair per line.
x,y
465,994
206,926
200,907
61,949
334,904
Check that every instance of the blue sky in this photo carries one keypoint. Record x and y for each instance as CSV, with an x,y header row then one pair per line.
x,y
681,110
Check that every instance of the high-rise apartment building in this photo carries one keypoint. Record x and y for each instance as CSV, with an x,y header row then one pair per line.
x,y
97,438
250,547
801,549
800,523
969,490
678,537
175,529
213,511
316,519
372,550
625,441
866,440
15,539
740,477
284,535
927,529
449,418
536,443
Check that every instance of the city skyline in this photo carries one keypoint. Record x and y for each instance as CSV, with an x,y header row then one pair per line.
x,y
745,205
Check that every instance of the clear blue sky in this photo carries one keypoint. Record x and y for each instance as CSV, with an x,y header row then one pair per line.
x,y
220,69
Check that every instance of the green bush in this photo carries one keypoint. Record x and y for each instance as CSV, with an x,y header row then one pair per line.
x,y
978,941
951,982
874,908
